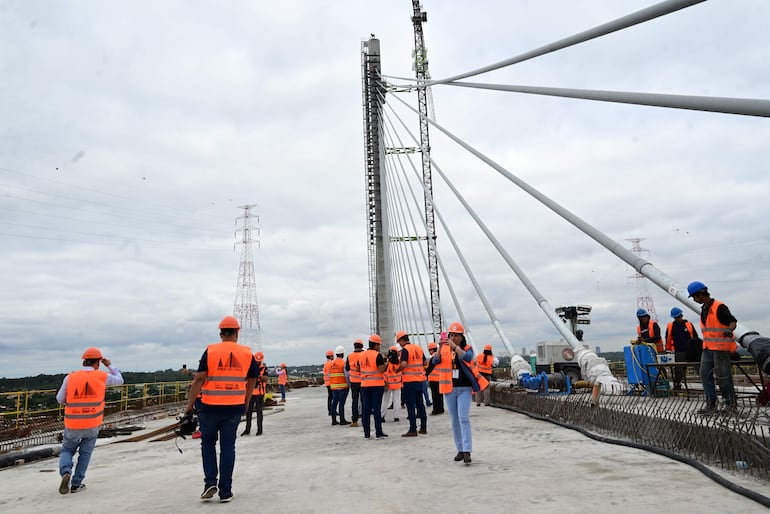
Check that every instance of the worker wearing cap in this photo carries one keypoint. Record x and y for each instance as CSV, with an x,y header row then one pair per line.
x,y
327,380
82,394
258,396
648,330
679,335
351,366
339,385
484,364
717,324
227,374
413,371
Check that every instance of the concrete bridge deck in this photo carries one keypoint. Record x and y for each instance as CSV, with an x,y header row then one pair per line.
x,y
302,464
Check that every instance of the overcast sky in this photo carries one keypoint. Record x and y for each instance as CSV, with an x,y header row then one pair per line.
x,y
132,131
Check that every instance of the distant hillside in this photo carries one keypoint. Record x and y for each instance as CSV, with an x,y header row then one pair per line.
x,y
54,381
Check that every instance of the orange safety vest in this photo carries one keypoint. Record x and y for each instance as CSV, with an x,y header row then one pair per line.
x,y
84,403
283,377
337,374
484,368
393,377
367,365
414,370
261,387
712,332
228,365
327,365
433,375
670,335
445,370
651,331
355,375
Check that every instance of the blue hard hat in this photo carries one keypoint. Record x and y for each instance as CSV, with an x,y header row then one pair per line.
x,y
694,287
641,312
676,312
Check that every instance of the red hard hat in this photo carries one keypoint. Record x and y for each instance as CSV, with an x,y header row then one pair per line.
x,y
329,353
401,334
374,338
283,364
395,347
357,342
432,346
456,328
488,347
259,356
92,353
229,322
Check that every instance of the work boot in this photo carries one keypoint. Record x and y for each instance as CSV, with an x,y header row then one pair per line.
x,y
259,431
409,434
422,431
710,408
354,424
467,457
344,422
334,420
246,432
460,456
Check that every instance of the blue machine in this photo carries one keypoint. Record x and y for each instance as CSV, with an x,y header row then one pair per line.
x,y
640,376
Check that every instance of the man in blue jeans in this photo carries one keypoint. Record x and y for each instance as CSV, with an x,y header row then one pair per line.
x,y
226,377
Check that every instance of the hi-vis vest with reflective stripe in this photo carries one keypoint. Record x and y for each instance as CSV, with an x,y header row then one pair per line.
x,y
367,364
393,378
283,376
228,364
337,374
84,403
712,332
261,387
355,376
414,370
327,365
484,368
445,371
670,334
658,342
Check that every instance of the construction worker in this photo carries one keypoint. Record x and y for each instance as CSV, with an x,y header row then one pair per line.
x,y
393,384
258,396
432,374
412,368
484,364
717,324
82,394
648,331
227,374
283,378
679,334
327,381
458,379
351,365
339,385
371,366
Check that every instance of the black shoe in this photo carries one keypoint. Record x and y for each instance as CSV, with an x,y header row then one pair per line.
x,y
422,431
708,409
246,432
381,436
226,498
396,420
208,492
334,422
429,404
467,457
259,432
77,488
344,422
64,486
460,456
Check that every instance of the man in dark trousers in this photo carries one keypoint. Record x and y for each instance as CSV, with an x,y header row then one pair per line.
x,y
226,376
679,335
648,331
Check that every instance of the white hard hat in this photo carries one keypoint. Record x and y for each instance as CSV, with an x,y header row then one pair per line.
x,y
339,349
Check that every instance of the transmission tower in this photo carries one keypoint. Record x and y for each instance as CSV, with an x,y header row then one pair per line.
x,y
246,309
643,298
423,93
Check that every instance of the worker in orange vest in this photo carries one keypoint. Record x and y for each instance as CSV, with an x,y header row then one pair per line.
x,y
351,365
82,394
372,365
413,371
432,373
484,364
327,380
458,379
258,396
227,374
393,385
283,379
648,331
339,385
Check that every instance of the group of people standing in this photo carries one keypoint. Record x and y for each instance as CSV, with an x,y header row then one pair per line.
x,y
401,376
714,352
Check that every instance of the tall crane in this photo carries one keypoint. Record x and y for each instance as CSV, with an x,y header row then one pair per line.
x,y
423,93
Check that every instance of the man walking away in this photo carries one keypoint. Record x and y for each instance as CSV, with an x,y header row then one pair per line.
x,y
82,394
226,376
